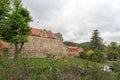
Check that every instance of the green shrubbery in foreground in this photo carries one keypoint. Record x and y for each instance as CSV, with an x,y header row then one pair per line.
x,y
49,69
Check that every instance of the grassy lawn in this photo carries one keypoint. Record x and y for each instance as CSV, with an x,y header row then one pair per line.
x,y
44,69
71,62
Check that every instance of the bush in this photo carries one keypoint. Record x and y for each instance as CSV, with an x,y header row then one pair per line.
x,y
83,55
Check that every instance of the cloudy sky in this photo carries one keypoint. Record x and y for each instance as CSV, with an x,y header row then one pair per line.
x,y
76,19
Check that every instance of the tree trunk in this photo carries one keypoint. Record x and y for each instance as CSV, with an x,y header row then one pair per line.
x,y
21,46
16,50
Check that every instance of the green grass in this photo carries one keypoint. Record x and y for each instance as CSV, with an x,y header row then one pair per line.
x,y
38,67
44,62
71,62
37,62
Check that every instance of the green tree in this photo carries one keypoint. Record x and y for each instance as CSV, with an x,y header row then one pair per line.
x,y
112,50
96,41
119,51
97,46
16,29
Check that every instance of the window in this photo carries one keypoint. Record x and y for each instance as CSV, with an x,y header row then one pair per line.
x,y
35,44
40,44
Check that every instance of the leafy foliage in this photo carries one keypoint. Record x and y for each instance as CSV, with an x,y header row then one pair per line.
x,y
112,50
16,29
83,55
4,9
4,12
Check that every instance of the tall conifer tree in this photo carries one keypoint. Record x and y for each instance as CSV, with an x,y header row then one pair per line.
x,y
96,41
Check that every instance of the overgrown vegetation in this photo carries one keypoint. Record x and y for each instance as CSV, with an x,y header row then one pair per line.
x,y
49,69
113,51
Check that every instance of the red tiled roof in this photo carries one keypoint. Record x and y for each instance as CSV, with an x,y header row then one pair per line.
x,y
35,31
50,34
75,48
72,47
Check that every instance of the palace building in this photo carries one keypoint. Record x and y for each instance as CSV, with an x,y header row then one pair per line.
x,y
41,42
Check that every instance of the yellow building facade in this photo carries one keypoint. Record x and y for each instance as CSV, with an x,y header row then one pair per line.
x,y
41,43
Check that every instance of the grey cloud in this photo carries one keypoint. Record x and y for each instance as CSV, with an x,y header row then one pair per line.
x,y
76,19
42,9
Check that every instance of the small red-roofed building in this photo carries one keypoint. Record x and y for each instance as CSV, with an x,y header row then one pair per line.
x,y
73,51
